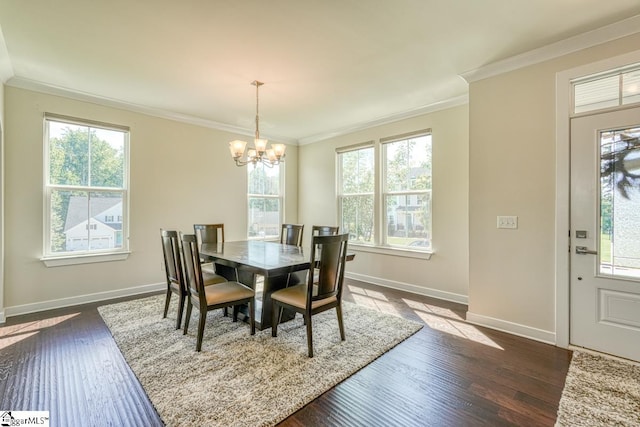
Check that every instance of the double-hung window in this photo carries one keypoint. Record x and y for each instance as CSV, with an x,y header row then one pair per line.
x,y
384,192
406,191
356,193
86,187
265,201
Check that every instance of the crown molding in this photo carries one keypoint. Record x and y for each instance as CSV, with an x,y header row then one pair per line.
x,y
617,30
436,106
28,84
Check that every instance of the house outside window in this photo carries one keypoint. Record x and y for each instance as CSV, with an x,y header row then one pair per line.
x,y
86,187
265,200
384,192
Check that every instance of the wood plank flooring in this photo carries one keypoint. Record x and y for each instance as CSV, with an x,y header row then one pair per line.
x,y
449,374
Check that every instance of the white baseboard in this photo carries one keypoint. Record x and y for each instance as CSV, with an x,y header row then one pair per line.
x,y
414,289
81,299
512,328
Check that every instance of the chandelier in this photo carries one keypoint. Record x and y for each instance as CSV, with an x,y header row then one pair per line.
x,y
259,153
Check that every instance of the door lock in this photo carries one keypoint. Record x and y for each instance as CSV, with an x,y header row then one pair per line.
x,y
583,250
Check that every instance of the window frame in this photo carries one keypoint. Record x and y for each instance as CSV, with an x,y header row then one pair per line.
x,y
385,192
615,104
380,220
280,197
340,195
54,259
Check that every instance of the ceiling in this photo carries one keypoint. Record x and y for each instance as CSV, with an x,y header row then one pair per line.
x,y
328,66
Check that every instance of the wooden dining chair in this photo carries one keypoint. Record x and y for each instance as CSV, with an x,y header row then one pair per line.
x,y
329,255
292,234
175,275
322,230
212,234
207,298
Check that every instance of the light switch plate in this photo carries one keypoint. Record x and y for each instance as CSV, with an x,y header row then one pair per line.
x,y
507,221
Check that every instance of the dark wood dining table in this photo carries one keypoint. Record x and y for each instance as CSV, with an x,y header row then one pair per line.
x,y
244,261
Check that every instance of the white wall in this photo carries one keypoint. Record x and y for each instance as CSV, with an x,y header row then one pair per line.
x,y
181,174
512,172
446,273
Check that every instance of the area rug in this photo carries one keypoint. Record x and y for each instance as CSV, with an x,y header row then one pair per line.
x,y
238,379
600,391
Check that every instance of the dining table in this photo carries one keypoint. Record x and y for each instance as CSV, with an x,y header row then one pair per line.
x,y
246,261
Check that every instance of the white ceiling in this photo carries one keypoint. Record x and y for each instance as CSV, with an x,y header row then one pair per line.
x,y
328,66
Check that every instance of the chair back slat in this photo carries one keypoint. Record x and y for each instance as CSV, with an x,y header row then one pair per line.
x,y
328,256
292,234
193,271
172,258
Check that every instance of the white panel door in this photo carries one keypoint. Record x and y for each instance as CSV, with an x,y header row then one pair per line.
x,y
605,233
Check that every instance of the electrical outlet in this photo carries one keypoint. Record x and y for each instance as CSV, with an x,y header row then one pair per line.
x,y
507,221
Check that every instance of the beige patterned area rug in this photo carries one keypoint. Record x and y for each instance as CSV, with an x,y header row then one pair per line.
x,y
600,391
239,379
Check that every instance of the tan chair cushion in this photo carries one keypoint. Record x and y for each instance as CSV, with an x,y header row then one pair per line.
x,y
296,296
211,278
227,292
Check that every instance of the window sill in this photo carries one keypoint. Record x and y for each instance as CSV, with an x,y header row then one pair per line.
x,y
388,250
60,261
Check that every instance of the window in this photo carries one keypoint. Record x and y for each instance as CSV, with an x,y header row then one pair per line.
x,y
399,214
265,201
86,169
609,90
406,193
356,193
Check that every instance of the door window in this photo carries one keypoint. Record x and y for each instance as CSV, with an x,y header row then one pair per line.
x,y
619,237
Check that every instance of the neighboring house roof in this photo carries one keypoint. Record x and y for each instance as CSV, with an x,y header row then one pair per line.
x,y
114,225
77,212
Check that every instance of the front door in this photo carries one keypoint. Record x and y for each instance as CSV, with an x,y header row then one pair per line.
x,y
605,233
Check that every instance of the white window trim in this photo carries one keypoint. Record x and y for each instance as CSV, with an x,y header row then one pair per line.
x,y
84,259
88,257
379,211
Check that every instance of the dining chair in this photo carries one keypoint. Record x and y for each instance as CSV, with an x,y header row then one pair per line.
x,y
207,298
175,275
328,255
324,230
213,234
292,234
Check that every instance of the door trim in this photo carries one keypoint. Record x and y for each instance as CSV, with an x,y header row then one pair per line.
x,y
563,182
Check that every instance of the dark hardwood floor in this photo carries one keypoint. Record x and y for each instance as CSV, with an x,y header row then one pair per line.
x,y
449,374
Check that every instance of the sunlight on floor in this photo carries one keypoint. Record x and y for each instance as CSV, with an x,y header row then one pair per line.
x,y
10,335
458,328
420,306
437,318
12,339
381,306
